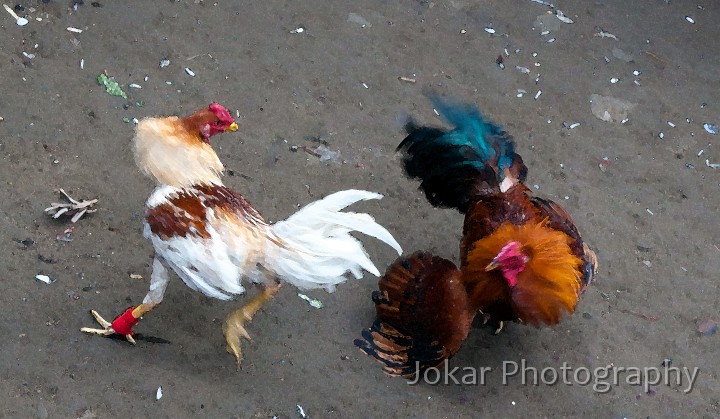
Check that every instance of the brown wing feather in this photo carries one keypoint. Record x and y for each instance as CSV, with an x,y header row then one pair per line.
x,y
185,213
422,315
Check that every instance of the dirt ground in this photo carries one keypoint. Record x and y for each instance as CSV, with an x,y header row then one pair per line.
x,y
648,205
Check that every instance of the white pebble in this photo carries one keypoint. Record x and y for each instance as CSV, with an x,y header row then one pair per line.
x,y
661,135
551,40
636,73
82,63
575,125
135,86
614,80
75,30
158,393
689,19
189,72
647,263
537,95
671,124
490,30
44,278
164,63
463,31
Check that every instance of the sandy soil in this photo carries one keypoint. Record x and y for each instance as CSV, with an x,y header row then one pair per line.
x,y
650,209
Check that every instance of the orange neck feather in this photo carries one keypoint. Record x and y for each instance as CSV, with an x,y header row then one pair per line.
x,y
545,290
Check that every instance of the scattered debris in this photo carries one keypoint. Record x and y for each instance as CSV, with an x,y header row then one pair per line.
x,y
690,20
523,70
66,236
610,109
614,80
44,278
707,327
356,18
189,72
301,412
490,30
164,63
642,316
313,302
21,21
544,3
521,92
712,165
711,128
570,126
300,29
46,259
407,79
27,243
74,30
500,62
75,208
136,276
112,87
602,34
564,19
135,86
158,393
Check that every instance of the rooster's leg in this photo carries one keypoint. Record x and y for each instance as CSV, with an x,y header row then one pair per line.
x,y
122,325
234,326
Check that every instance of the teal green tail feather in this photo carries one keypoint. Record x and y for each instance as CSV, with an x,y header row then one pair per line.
x,y
457,167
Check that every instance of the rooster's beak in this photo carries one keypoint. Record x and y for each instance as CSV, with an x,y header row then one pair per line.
x,y
491,266
233,127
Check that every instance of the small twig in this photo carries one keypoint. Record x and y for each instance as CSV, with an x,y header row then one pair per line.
x,y
310,151
636,314
75,208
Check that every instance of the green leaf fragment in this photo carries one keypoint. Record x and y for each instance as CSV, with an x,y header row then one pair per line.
x,y
112,87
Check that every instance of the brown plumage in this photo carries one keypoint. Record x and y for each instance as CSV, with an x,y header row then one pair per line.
x,y
410,333
521,256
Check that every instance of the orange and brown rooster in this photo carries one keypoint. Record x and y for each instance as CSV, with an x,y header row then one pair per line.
x,y
521,257
212,238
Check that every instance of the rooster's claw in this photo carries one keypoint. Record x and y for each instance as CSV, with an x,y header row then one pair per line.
x,y
106,330
234,329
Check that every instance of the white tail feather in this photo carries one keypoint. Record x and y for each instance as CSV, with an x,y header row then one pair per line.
x,y
314,247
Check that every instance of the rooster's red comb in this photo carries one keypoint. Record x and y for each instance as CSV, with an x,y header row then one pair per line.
x,y
221,112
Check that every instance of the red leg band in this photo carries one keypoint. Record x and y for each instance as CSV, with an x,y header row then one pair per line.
x,y
123,324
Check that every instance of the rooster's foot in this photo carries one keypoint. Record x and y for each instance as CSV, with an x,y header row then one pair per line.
x,y
106,330
234,329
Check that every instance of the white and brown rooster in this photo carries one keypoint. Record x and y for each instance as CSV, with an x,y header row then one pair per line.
x,y
213,238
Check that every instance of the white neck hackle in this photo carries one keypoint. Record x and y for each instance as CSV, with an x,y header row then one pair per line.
x,y
171,155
